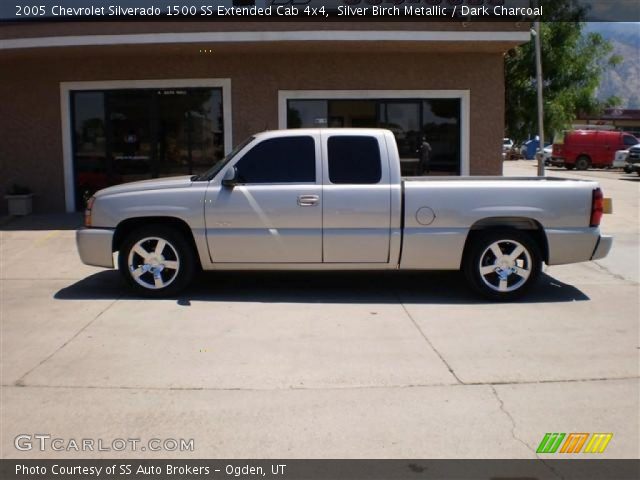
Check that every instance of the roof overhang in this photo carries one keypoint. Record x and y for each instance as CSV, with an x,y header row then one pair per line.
x,y
500,40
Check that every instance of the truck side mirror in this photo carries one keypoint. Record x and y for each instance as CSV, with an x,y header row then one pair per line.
x,y
229,178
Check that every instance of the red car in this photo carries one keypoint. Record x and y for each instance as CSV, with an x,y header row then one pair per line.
x,y
583,149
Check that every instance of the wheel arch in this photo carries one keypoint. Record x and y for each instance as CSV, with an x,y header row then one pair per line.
x,y
522,224
127,226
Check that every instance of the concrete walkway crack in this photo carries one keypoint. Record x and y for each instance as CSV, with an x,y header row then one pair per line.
x,y
20,381
511,419
292,388
614,275
426,339
513,432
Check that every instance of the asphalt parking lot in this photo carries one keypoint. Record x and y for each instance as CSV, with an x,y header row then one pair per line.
x,y
292,365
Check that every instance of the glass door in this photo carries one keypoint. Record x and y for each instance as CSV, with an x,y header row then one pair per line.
x,y
190,131
129,143
126,135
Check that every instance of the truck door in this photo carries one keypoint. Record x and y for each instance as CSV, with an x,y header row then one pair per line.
x,y
356,193
273,214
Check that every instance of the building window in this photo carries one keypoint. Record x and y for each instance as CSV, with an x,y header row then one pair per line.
x,y
133,134
437,119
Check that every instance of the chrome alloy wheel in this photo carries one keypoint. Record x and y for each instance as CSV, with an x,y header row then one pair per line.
x,y
153,263
505,265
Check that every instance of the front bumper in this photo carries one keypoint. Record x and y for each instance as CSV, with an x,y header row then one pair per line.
x,y
603,247
556,161
95,246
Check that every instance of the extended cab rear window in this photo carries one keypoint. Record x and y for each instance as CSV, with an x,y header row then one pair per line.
x,y
354,159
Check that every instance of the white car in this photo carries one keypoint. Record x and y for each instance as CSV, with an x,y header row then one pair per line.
x,y
546,154
507,144
620,159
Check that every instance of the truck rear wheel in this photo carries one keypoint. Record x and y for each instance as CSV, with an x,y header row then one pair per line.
x,y
156,261
583,162
502,265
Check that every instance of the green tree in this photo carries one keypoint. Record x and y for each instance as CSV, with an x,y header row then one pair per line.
x,y
572,65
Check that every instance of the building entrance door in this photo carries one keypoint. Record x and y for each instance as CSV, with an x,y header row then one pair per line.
x,y
135,134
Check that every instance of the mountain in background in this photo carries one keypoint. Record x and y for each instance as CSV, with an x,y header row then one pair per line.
x,y
622,81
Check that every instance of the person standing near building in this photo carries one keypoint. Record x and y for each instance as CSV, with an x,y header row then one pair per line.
x,y
424,155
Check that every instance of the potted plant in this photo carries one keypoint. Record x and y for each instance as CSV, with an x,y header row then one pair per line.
x,y
20,200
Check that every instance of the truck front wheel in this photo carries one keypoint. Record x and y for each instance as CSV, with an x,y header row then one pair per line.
x,y
156,261
502,265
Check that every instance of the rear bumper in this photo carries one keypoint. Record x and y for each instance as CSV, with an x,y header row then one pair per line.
x,y
95,246
603,247
574,245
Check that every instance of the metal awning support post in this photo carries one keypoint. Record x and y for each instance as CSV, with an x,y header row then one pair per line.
x,y
540,152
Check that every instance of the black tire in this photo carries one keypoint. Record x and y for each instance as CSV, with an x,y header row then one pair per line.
x,y
177,252
479,254
583,162
569,167
626,169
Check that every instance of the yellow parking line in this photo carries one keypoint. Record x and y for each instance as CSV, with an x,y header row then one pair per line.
x,y
47,237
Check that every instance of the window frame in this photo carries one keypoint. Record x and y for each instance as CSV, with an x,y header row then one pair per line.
x,y
464,96
259,140
67,128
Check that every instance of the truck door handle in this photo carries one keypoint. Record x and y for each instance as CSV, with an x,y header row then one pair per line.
x,y
308,200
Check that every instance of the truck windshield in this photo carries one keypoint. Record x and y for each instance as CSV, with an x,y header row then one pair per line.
x,y
212,172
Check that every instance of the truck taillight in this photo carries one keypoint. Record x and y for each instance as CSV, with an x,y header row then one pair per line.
x,y
87,212
597,207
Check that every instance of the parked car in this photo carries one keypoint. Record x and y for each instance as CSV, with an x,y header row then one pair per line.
x,y
513,154
583,149
507,144
334,199
546,154
530,147
620,159
633,160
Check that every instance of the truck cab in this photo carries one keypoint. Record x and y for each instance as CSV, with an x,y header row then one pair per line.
x,y
313,196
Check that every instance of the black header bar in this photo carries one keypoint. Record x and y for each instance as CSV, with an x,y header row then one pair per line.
x,y
321,10
551,469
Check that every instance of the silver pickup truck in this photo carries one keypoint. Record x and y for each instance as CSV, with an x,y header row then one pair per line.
x,y
334,199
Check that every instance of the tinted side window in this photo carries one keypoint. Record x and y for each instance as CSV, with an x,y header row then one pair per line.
x,y
279,160
354,159
629,140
